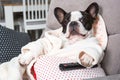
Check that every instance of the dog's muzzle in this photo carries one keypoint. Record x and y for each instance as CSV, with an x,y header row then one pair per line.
x,y
74,29
73,24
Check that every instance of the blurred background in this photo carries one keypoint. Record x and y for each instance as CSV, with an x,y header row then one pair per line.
x,y
10,9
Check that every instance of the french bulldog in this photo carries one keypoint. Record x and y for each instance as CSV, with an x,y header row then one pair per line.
x,y
76,27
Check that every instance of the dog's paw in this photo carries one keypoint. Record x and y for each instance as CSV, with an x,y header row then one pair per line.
x,y
25,59
85,59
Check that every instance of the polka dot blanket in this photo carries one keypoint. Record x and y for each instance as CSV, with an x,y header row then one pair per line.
x,y
47,68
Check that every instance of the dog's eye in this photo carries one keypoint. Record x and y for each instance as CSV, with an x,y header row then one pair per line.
x,y
81,20
65,20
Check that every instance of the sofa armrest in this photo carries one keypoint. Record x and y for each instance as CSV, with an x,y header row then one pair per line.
x,y
111,77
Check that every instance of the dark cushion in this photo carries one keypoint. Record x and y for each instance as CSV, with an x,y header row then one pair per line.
x,y
11,43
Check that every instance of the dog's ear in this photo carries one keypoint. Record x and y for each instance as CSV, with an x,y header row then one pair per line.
x,y
93,9
59,14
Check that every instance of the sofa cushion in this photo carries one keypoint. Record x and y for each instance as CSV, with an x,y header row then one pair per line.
x,y
111,77
111,63
11,43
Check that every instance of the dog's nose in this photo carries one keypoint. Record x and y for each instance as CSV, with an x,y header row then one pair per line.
x,y
73,23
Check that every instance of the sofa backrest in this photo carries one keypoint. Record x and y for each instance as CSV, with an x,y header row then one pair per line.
x,y
110,10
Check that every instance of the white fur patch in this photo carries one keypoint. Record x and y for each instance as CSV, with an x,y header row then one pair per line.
x,y
75,15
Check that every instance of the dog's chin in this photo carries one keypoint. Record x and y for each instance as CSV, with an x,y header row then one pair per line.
x,y
74,35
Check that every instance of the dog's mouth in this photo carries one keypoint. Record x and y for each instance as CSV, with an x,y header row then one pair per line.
x,y
75,33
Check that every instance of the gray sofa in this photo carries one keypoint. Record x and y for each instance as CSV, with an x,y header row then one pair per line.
x,y
110,11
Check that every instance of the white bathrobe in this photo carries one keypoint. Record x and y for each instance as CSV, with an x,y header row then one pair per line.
x,y
54,43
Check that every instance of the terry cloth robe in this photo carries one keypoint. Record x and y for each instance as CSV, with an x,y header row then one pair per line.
x,y
53,42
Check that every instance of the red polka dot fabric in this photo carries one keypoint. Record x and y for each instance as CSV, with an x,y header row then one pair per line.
x,y
47,68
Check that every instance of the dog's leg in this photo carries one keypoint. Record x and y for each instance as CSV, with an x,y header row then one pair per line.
x,y
40,47
25,59
85,52
86,60
28,54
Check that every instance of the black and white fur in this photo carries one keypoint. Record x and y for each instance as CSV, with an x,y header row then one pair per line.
x,y
77,22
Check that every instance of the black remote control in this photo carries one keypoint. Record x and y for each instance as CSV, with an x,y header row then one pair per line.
x,y
72,66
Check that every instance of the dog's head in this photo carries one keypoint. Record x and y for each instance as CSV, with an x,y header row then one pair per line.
x,y
77,22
